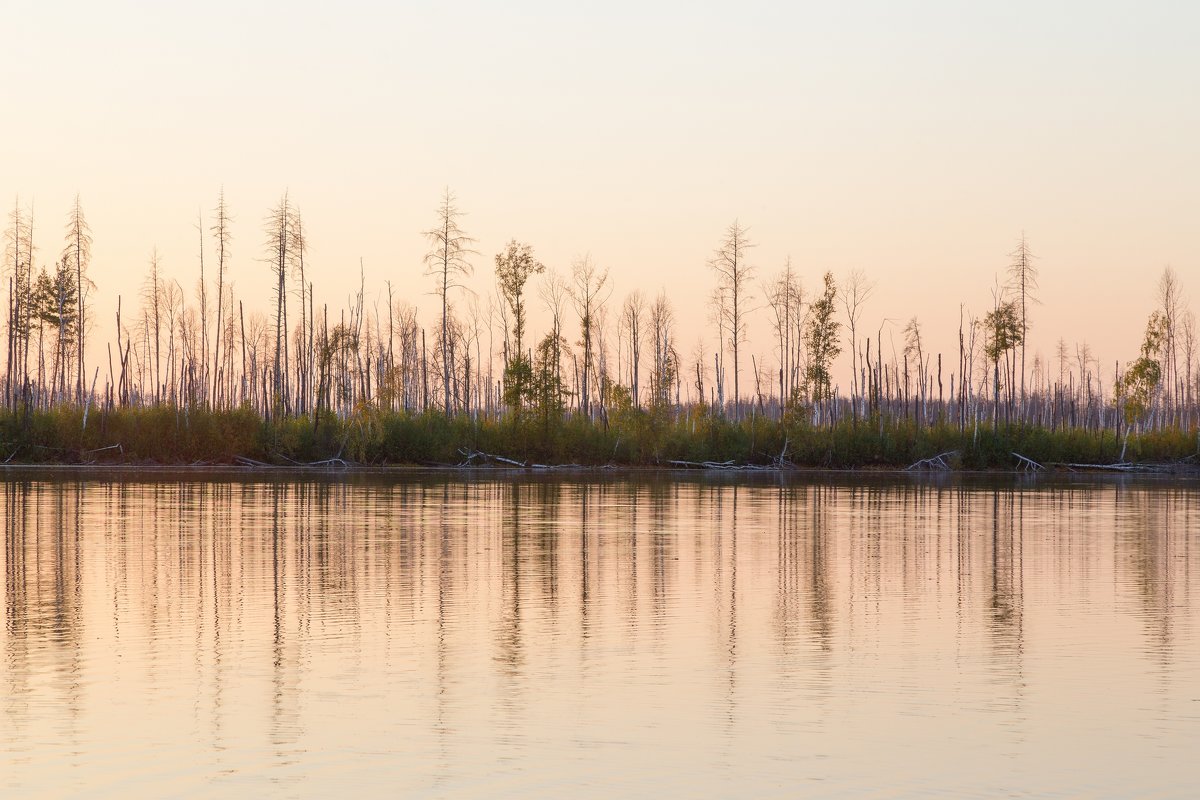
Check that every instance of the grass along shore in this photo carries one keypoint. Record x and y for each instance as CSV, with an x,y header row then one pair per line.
x,y
181,436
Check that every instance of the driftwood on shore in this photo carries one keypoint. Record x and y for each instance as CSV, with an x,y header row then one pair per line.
x,y
723,465
325,462
1028,464
249,462
244,461
83,453
1127,467
936,463
474,458
471,456
116,447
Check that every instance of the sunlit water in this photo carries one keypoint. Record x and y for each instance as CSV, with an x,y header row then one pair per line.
x,y
369,635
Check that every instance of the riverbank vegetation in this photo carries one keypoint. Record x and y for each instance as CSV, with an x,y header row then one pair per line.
x,y
200,377
635,438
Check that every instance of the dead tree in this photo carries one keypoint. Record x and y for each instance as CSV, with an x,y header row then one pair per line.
x,y
718,307
733,278
152,308
588,292
18,261
555,293
1170,306
296,254
785,297
664,368
855,291
1023,281
78,251
201,352
281,249
221,236
631,322
447,262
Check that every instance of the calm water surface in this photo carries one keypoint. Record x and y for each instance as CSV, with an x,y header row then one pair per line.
x,y
598,637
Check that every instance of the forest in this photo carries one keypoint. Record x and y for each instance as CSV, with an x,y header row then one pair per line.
x,y
208,377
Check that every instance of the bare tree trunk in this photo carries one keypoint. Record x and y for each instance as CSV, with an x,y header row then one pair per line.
x,y
733,277
220,231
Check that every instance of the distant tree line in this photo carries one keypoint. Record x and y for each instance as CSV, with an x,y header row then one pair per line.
x,y
598,357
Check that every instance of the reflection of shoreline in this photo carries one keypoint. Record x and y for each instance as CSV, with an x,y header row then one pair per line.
x,y
604,474
446,622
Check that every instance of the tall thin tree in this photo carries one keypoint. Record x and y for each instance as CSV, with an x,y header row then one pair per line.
x,y
855,291
554,293
785,296
1170,306
822,340
1023,280
202,297
514,267
589,292
78,251
18,261
152,298
221,235
733,278
631,320
447,262
280,227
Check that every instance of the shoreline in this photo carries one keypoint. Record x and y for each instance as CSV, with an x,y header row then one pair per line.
x,y
9,471
154,438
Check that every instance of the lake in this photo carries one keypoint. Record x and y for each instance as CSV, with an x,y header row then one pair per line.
x,y
592,635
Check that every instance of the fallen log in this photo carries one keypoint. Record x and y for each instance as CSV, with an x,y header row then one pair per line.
x,y
322,463
327,462
1121,466
471,455
730,466
1028,464
249,462
937,463
702,464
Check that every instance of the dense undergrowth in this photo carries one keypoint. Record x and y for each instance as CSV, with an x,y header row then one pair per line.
x,y
178,436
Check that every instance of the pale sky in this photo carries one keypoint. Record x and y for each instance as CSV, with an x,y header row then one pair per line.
x,y
913,141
